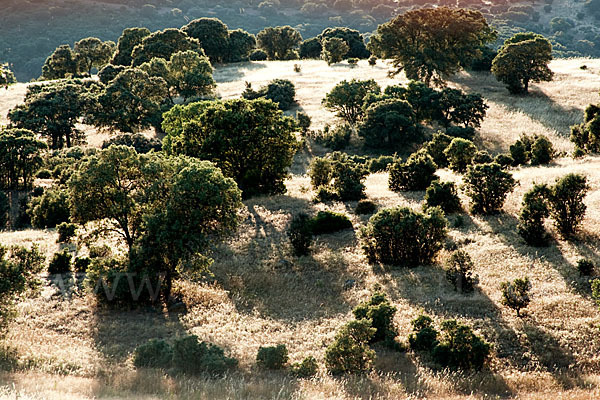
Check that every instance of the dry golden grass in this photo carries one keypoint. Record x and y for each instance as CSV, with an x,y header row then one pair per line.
x,y
262,295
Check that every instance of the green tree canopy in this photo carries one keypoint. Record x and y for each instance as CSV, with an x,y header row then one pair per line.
x,y
20,158
130,38
353,39
279,42
62,63
163,44
52,110
92,52
347,97
6,75
523,59
250,140
334,50
130,102
241,44
430,44
388,124
213,36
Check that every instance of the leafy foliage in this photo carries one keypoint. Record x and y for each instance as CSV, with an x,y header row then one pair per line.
x,y
194,357
443,195
300,234
416,173
566,203
128,40
534,210
20,158
156,353
459,347
334,50
346,98
329,222
250,140
272,357
365,207
389,124
163,44
279,43
305,369
424,336
66,231
60,262
403,237
280,91
350,352
459,272
381,313
50,209
339,177
460,153
488,185
515,294
138,141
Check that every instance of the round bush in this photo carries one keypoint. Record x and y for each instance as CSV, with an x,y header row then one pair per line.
x,y
305,369
329,222
195,357
258,55
66,231
155,354
460,153
488,185
403,237
60,263
443,195
50,209
542,151
365,207
273,357
416,174
300,234
139,142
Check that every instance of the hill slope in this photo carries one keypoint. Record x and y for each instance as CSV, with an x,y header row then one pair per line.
x,y
262,295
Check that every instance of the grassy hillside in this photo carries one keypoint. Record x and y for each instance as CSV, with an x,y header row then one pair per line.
x,y
261,294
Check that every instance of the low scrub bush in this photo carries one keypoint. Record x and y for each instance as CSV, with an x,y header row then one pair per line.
x,y
381,313
488,185
329,222
305,369
195,357
365,207
280,91
436,146
416,173
60,262
482,157
258,55
300,234
49,209
424,336
585,267
66,231
515,294
460,348
304,121
337,138
401,236
350,351
461,132
534,211
156,353
81,264
272,357
505,160
380,164
542,151
338,176
520,151
139,142
459,272
566,203
443,195
460,153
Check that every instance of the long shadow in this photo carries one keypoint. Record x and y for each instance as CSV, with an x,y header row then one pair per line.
x,y
261,273
496,92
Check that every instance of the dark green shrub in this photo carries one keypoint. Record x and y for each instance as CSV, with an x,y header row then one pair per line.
x,y
372,60
66,231
424,336
340,176
482,157
81,264
515,294
273,357
365,207
488,185
156,353
337,138
542,151
459,272
533,212
520,151
401,236
50,209
139,142
460,348
305,369
44,174
566,203
467,133
301,234
280,91
460,153
353,61
436,146
416,173
60,262
380,312
350,351
4,211
585,267
380,164
443,195
304,121
258,55
505,160
195,357
329,222
586,136
320,172
389,124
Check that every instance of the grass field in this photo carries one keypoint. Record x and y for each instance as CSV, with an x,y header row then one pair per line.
x,y
261,294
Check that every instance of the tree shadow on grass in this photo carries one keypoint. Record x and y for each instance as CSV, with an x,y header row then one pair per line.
x,y
537,104
236,71
260,271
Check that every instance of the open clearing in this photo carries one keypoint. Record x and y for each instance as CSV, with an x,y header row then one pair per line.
x,y
263,295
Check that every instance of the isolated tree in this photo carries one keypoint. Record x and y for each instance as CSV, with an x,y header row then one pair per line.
x,y
488,185
523,59
353,38
163,44
240,45
92,52
431,44
346,98
278,42
566,203
53,111
62,63
515,294
535,209
334,50
130,102
130,38
20,158
459,154
250,140
6,75
191,74
388,123
213,36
